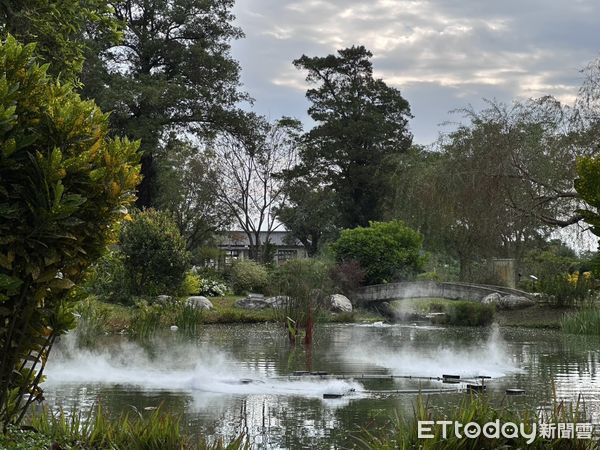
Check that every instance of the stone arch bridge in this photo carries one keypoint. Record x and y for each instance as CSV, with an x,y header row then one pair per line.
x,y
430,289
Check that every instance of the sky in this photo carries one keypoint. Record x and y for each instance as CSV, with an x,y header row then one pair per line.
x,y
441,54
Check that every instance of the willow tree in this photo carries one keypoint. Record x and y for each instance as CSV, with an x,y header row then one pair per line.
x,y
63,185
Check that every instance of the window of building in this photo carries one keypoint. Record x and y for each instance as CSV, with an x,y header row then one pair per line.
x,y
231,256
285,255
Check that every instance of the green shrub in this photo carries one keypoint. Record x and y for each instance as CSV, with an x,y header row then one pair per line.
x,y
566,290
387,251
428,276
155,255
248,276
108,279
467,314
192,284
64,184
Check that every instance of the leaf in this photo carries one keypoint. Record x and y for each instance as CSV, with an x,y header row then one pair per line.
x,y
10,284
61,283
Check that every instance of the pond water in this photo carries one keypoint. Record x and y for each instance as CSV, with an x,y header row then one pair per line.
x,y
233,379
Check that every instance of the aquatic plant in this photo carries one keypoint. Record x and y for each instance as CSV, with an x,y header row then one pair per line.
x,y
402,433
135,430
584,321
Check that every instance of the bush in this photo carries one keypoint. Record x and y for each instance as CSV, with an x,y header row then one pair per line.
x,y
306,283
248,276
108,280
387,251
566,290
64,184
212,288
155,255
192,284
347,276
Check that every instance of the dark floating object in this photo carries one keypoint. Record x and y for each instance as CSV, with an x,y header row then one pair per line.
x,y
515,391
452,379
319,373
476,387
333,395
300,373
484,377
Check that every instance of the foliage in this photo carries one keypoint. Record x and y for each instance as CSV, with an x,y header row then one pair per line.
x,y
91,319
566,290
187,177
467,314
552,260
107,278
588,187
305,286
146,319
248,276
402,433
60,29
310,213
191,284
155,256
173,71
347,276
212,288
63,186
129,431
387,251
360,121
585,321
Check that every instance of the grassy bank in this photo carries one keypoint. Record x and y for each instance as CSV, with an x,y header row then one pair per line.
x,y
538,316
97,317
584,321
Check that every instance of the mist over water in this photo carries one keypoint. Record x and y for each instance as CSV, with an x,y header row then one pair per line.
x,y
483,358
179,367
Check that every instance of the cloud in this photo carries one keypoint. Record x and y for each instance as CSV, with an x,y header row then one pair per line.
x,y
442,54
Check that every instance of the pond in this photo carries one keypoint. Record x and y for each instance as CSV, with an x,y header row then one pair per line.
x,y
233,379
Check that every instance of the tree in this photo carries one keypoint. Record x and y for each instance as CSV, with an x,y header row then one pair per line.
x,y
187,178
154,253
248,167
63,185
172,72
359,122
387,251
310,213
587,185
60,29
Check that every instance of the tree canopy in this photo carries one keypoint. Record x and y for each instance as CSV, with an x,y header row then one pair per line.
x,y
360,121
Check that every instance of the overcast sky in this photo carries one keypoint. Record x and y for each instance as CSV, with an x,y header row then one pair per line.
x,y
441,54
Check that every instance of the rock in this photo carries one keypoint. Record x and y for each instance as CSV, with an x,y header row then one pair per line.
x,y
492,298
163,299
199,302
279,301
510,301
339,303
253,301
515,302
174,328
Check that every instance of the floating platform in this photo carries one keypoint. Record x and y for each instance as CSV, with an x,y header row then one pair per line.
x,y
476,387
515,391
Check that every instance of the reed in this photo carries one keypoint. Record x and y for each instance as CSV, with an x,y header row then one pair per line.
x,y
402,433
130,431
584,321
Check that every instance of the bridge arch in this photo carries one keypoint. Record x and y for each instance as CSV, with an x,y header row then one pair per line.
x,y
430,289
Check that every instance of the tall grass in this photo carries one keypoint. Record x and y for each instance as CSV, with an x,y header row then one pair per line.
x,y
584,321
92,318
469,314
402,434
188,318
146,320
131,431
